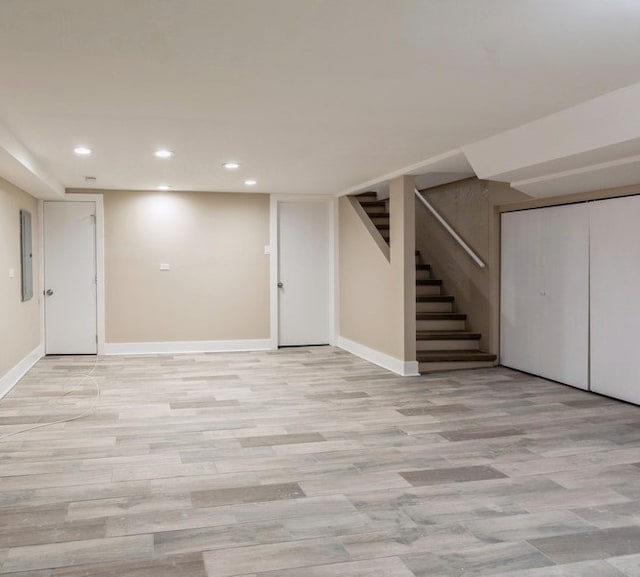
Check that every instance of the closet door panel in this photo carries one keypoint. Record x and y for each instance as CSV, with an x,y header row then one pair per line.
x,y
520,321
545,292
615,298
564,292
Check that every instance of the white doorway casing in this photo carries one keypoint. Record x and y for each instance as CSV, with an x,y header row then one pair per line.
x,y
302,248
73,317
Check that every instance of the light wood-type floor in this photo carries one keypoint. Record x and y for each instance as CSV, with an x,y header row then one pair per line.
x,y
310,462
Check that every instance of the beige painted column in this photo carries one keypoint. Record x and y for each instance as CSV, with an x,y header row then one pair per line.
x,y
403,246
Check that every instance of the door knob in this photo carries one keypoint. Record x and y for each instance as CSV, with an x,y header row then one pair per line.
x,y
280,284
49,292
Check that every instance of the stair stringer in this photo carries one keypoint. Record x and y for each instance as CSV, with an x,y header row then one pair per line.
x,y
371,227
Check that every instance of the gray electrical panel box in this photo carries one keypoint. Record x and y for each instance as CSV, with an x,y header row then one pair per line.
x,y
27,255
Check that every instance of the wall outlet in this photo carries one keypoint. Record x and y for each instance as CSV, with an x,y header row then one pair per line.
x,y
165,266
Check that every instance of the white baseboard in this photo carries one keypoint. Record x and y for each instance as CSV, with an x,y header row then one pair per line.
x,y
397,366
187,347
8,381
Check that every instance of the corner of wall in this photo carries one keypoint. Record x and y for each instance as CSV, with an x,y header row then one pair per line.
x,y
397,366
11,379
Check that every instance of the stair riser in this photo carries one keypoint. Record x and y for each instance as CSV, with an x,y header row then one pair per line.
x,y
428,290
434,307
454,366
452,345
372,210
423,274
379,219
441,325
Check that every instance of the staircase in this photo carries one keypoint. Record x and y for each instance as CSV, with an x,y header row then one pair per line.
x,y
443,342
377,211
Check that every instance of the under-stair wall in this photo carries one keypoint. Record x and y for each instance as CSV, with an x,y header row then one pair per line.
x,y
469,206
377,290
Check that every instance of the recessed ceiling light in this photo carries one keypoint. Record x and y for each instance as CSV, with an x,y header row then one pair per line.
x,y
164,187
231,165
251,182
82,150
163,153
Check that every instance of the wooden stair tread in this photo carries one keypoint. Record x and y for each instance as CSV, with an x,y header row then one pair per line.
x,y
381,226
447,336
434,299
429,282
366,203
423,267
447,356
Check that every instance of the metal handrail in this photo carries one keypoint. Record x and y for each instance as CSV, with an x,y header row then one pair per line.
x,y
450,230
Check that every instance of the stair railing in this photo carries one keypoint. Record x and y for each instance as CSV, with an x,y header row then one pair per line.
x,y
450,229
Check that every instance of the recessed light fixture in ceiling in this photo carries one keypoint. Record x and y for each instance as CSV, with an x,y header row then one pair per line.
x,y
82,150
163,153
251,182
163,187
231,165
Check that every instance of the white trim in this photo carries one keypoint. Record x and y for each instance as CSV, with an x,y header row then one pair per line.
x,y
273,240
334,296
186,347
397,366
41,271
8,381
273,270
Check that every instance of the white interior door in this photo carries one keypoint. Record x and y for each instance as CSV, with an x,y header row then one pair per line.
x,y
70,278
303,273
545,293
615,304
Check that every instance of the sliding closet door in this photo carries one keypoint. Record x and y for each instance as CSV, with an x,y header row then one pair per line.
x,y
615,297
545,293
565,246
521,271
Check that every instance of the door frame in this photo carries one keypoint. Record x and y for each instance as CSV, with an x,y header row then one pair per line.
x,y
274,208
100,281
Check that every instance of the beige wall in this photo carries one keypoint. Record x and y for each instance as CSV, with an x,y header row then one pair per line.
x,y
19,321
218,285
470,207
377,297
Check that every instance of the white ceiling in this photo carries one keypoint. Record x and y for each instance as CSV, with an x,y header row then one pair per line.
x,y
310,96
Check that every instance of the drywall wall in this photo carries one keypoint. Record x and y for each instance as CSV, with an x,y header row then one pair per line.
x,y
19,321
217,285
469,206
377,296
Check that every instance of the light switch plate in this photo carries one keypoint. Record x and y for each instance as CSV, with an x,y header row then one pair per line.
x,y
12,273
165,266
267,249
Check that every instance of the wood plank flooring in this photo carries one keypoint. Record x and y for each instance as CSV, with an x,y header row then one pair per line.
x,y
311,462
